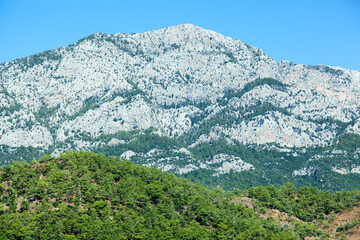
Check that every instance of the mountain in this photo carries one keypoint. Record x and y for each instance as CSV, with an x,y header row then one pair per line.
x,y
188,101
82,195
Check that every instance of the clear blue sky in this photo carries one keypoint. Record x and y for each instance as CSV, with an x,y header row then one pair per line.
x,y
303,31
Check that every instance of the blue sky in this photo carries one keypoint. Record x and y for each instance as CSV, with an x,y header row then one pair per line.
x,y
304,31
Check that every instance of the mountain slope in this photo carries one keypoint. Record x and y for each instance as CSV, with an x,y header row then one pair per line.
x,y
191,86
87,196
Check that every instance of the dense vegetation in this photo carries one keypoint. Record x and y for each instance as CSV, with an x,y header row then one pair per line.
x,y
274,167
88,196
271,166
307,204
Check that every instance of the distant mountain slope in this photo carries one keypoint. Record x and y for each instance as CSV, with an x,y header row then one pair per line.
x,y
192,87
87,196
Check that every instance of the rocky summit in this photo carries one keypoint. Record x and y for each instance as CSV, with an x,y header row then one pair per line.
x,y
188,101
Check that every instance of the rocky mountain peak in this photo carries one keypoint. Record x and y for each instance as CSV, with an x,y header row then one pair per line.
x,y
184,83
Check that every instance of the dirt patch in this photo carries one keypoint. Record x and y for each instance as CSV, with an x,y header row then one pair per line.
x,y
247,202
5,184
6,207
341,220
354,234
282,217
33,204
18,203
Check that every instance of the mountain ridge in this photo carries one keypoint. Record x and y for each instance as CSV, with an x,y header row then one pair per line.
x,y
192,86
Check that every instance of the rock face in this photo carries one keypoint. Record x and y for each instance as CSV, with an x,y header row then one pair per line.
x,y
181,82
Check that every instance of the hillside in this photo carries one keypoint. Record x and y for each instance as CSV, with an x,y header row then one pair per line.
x,y
87,196
202,105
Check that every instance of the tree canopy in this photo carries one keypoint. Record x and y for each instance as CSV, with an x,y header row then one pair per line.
x,y
81,195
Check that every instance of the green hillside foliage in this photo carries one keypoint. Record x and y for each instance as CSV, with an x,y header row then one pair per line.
x,y
82,195
9,155
276,84
271,166
307,203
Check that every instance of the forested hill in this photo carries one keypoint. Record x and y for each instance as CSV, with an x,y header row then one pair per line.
x,y
82,195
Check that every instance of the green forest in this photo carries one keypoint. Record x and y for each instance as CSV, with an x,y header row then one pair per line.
x,y
81,195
